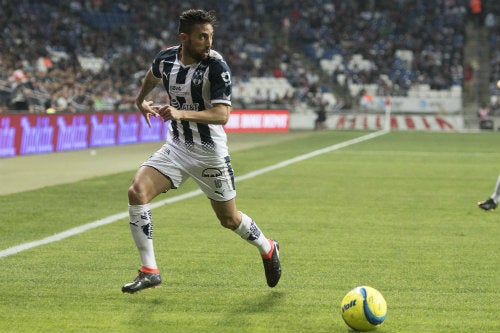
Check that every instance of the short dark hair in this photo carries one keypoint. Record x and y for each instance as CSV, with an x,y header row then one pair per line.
x,y
191,17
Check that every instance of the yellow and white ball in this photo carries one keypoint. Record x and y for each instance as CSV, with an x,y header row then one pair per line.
x,y
364,308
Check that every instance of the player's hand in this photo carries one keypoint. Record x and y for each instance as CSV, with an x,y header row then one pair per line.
x,y
147,109
168,112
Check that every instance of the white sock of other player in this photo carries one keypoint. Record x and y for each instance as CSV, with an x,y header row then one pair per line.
x,y
496,195
141,226
249,231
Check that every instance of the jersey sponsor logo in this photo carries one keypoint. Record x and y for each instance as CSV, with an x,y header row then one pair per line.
x,y
190,107
175,103
185,106
178,91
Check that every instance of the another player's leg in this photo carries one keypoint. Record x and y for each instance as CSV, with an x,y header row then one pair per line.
x,y
488,204
247,229
147,184
492,202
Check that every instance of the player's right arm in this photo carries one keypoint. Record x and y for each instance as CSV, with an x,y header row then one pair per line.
x,y
148,84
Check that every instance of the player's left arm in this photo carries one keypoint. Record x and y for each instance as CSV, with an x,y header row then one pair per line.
x,y
146,107
217,114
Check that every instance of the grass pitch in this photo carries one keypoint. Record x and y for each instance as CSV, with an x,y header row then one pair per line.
x,y
396,213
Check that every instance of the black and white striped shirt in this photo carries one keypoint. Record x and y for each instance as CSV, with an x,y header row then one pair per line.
x,y
195,87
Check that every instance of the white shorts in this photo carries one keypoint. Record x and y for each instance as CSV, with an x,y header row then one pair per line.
x,y
215,178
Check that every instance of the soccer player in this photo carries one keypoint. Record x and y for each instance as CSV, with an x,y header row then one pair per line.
x,y
198,83
492,202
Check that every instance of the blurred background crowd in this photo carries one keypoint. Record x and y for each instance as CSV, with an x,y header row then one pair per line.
x,y
90,55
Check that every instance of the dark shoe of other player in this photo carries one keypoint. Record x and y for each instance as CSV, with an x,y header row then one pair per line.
x,y
272,265
489,204
142,281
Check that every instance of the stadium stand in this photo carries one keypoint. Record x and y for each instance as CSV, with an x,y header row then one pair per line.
x,y
89,55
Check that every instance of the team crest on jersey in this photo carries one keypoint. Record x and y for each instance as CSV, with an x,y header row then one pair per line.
x,y
198,74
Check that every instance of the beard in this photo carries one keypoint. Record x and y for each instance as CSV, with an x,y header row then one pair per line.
x,y
198,56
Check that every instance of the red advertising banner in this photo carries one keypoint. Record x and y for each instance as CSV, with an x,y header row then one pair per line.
x,y
22,134
258,121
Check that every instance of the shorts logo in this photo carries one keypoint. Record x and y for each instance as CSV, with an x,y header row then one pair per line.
x,y
211,172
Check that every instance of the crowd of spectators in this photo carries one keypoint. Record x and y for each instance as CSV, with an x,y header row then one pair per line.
x,y
43,43
433,30
492,23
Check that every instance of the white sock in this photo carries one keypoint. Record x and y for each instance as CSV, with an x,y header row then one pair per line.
x,y
141,226
496,195
249,231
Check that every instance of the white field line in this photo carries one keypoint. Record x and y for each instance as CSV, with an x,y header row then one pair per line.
x,y
113,218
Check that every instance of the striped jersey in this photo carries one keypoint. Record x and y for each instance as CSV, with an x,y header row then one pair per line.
x,y
195,87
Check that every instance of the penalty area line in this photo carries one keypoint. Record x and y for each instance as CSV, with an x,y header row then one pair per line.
x,y
113,218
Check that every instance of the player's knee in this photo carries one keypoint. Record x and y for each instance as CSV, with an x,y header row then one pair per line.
x,y
136,194
229,222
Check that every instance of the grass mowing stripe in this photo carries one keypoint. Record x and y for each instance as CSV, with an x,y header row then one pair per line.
x,y
110,219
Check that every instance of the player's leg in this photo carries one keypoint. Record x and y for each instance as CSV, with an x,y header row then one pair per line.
x,y
241,224
492,202
496,194
147,184
248,230
217,182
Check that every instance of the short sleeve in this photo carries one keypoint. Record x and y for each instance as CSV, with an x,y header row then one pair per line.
x,y
220,82
155,65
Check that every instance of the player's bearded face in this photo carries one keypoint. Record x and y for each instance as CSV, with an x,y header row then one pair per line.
x,y
199,42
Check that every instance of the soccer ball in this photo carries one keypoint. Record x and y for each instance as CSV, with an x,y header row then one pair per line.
x,y
364,308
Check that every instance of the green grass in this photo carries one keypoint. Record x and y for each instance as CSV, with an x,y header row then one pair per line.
x,y
396,213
